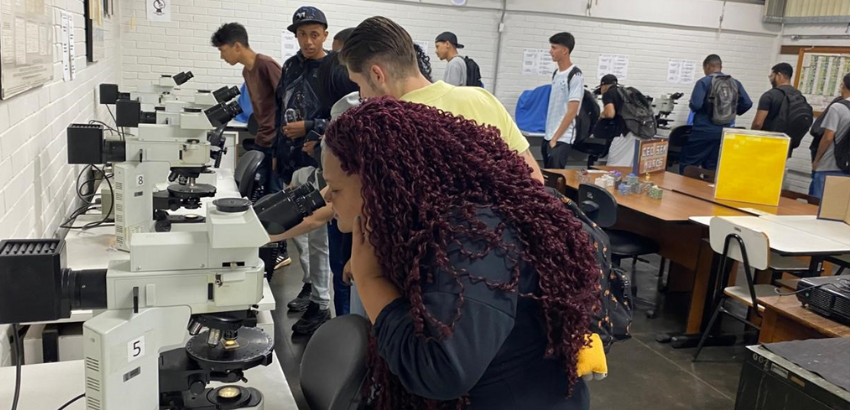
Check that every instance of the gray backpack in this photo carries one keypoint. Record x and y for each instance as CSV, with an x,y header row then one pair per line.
x,y
723,99
637,113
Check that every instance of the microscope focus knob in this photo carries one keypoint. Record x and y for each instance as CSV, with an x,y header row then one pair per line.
x,y
232,205
197,387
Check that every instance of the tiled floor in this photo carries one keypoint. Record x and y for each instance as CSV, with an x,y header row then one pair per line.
x,y
643,374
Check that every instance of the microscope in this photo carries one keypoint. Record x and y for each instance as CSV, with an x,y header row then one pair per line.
x,y
175,317
157,93
663,106
183,152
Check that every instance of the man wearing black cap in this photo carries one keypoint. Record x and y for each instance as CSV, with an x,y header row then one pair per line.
x,y
622,150
447,47
297,96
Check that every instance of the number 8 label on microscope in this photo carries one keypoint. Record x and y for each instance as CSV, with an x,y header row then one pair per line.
x,y
135,349
140,180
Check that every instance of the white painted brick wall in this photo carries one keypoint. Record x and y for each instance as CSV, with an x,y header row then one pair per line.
x,y
747,57
153,48
36,183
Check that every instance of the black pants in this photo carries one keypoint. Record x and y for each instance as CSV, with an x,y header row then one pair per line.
x,y
555,158
702,153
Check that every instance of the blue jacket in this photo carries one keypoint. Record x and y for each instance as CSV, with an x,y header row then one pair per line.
x,y
532,108
704,128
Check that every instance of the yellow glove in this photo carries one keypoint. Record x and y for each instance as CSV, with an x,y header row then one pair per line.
x,y
591,360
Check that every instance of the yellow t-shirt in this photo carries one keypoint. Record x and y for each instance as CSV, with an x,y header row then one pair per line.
x,y
474,103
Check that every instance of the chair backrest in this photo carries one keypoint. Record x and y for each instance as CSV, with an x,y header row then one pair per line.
x,y
800,197
333,367
756,242
695,172
246,170
679,135
556,181
598,204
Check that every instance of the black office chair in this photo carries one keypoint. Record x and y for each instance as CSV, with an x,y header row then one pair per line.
x,y
595,148
556,181
333,367
246,171
702,174
678,138
601,207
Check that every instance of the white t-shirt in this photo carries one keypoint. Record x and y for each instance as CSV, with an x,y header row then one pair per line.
x,y
562,93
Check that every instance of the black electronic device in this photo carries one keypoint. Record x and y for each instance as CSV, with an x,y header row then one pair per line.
x,y
222,113
312,136
225,94
770,382
827,296
86,145
37,287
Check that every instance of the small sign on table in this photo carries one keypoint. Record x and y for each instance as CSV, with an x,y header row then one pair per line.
x,y
650,156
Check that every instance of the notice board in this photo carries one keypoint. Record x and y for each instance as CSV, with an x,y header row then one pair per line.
x,y
26,45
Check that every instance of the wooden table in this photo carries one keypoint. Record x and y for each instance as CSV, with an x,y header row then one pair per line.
x,y
705,191
667,222
786,319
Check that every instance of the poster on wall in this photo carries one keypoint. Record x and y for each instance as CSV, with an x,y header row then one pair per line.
x,y
159,10
616,64
537,61
288,44
64,39
681,71
26,36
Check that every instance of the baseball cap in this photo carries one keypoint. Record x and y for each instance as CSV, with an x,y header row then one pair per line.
x,y
307,15
608,79
450,37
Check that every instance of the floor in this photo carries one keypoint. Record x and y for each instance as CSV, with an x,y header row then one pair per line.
x,y
643,374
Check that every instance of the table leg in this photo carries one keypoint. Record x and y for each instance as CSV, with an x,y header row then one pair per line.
x,y
768,325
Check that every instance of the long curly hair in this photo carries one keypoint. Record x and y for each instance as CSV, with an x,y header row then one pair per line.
x,y
421,168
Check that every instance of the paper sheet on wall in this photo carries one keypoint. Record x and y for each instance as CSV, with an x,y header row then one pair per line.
x,y
288,44
27,35
616,64
423,45
66,49
681,71
72,47
537,61
158,10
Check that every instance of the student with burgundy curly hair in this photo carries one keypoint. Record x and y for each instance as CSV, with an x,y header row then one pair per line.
x,y
480,285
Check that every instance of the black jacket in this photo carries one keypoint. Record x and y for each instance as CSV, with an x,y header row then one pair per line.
x,y
297,89
496,351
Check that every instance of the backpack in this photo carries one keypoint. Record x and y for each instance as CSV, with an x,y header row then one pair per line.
x,y
723,99
588,112
795,117
637,113
613,321
473,73
817,128
842,152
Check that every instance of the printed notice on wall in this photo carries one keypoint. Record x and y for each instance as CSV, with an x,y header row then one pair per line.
x,y
158,10
537,61
26,28
616,64
72,48
66,46
681,71
288,44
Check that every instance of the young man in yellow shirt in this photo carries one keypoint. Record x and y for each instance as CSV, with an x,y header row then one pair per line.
x,y
380,58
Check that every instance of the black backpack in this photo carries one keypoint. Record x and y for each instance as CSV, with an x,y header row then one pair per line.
x,y
817,128
723,99
795,117
637,113
842,152
588,112
613,321
473,73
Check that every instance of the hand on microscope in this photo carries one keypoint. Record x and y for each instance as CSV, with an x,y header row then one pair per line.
x,y
297,129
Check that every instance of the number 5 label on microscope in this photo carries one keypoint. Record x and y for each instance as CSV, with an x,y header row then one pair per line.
x,y
135,349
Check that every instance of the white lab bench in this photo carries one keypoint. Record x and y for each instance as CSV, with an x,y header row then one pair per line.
x,y
48,386
795,235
